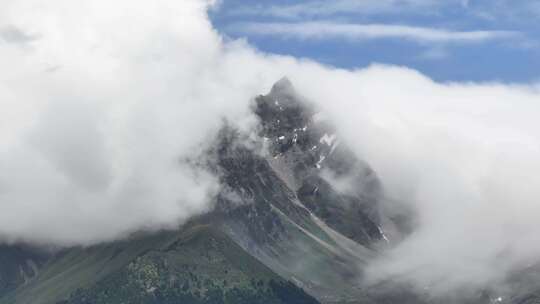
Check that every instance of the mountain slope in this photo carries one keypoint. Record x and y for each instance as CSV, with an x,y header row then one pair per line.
x,y
200,264
285,213
18,265
306,148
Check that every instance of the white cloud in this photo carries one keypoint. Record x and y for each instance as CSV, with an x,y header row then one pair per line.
x,y
327,8
462,156
516,12
91,151
351,31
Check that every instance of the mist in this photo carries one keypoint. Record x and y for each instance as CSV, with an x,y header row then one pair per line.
x,y
98,113
101,101
462,157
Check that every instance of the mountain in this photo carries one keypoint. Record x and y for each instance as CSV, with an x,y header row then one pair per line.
x,y
286,213
296,222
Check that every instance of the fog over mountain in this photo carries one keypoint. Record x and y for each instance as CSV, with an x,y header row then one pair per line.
x,y
102,103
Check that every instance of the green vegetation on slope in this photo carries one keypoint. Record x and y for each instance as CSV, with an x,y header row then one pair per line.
x,y
197,265
18,265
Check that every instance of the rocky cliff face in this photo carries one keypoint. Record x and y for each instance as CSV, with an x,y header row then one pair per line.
x,y
286,209
326,176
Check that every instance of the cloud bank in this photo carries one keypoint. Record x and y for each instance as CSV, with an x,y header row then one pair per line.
x,y
97,113
319,30
462,156
99,108
328,8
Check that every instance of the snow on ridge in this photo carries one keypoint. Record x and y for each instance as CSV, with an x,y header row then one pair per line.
x,y
328,139
323,157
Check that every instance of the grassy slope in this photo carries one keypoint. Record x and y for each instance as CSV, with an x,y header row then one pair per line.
x,y
18,264
82,267
197,265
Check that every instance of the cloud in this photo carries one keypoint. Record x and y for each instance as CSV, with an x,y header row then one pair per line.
x,y
355,32
324,30
12,34
92,152
308,9
516,12
462,156
519,12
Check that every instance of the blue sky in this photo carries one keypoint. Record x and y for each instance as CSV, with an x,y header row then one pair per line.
x,y
448,40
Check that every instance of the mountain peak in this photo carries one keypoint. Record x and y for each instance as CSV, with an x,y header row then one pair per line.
x,y
283,112
282,85
283,92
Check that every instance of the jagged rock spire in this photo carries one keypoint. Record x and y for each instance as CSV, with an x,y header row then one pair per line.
x,y
283,91
282,85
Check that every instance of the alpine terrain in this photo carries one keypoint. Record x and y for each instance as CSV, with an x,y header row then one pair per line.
x,y
296,221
